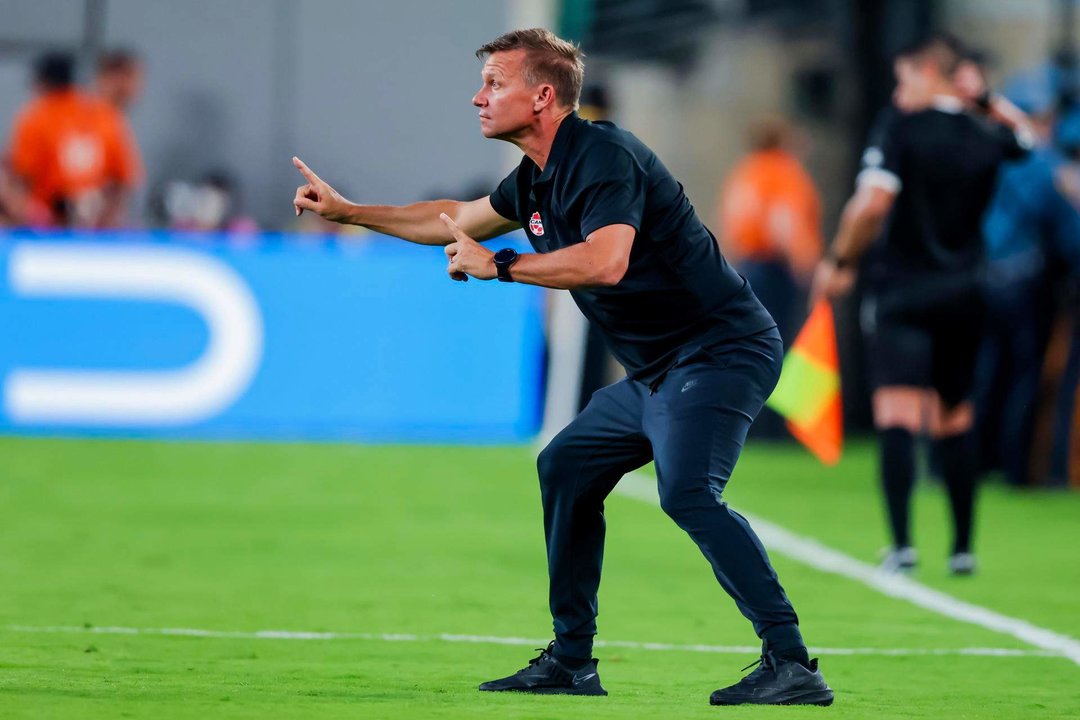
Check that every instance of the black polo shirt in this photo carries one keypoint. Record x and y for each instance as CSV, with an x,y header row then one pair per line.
x,y
678,292
943,164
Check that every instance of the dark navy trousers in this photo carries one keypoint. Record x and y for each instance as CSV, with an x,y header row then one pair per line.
x,y
693,425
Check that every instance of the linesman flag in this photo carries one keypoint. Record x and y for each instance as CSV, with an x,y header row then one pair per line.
x,y
808,394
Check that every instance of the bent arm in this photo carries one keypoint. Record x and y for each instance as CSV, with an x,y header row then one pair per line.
x,y
861,222
600,261
420,223
1012,117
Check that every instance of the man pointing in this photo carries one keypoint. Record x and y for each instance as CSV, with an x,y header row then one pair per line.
x,y
610,224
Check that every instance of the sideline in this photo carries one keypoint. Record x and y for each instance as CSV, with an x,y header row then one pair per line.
x,y
490,640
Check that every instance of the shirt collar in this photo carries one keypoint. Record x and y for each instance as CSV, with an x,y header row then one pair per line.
x,y
947,104
558,146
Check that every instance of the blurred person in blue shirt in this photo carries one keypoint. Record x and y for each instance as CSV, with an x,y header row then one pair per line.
x,y
1064,466
1032,235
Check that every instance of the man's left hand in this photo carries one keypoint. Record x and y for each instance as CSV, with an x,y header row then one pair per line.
x,y
467,257
970,82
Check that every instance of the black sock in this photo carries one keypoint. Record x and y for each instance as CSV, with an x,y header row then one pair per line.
x,y
571,662
957,455
799,655
785,642
898,479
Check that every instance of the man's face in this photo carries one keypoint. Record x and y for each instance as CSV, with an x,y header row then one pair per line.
x,y
122,86
506,102
914,84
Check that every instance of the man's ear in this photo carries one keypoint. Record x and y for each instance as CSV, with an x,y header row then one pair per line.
x,y
545,95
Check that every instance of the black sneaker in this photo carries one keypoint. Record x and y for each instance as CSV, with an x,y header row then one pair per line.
x,y
547,676
777,683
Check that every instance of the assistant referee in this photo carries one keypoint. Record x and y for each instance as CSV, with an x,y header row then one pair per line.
x,y
610,224
927,179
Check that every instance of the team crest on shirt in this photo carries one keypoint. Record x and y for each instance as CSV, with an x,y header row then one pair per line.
x,y
535,224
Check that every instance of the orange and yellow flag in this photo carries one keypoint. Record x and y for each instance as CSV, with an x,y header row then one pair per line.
x,y
808,394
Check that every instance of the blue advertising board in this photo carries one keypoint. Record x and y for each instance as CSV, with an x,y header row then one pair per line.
x,y
280,338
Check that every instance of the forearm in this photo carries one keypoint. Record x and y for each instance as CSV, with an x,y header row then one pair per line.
x,y
858,229
1012,117
577,266
418,222
12,202
114,212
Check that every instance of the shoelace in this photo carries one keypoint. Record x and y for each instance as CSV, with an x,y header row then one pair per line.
x,y
766,660
538,658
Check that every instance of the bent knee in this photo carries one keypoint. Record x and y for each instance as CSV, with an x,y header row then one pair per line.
x,y
902,407
553,462
681,503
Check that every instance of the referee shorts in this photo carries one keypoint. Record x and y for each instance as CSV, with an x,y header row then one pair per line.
x,y
925,336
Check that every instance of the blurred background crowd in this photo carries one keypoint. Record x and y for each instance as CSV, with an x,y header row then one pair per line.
x,y
126,114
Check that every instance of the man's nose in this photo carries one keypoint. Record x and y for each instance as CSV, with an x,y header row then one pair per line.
x,y
478,99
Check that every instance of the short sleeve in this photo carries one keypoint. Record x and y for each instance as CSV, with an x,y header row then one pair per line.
x,y
612,190
504,199
882,160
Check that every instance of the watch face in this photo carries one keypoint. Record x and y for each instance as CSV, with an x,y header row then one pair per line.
x,y
505,255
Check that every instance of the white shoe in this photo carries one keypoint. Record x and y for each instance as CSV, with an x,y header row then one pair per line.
x,y
962,564
900,560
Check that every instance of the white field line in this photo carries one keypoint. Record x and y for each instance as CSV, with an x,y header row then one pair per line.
x,y
810,552
489,640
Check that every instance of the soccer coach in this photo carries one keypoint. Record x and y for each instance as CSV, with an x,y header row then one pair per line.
x,y
611,225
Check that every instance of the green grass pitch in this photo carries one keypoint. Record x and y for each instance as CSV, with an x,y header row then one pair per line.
x,y
421,541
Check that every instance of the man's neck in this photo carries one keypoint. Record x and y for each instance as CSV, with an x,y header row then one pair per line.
x,y
536,140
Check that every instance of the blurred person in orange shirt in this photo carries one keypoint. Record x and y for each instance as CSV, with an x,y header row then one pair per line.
x,y
72,152
770,222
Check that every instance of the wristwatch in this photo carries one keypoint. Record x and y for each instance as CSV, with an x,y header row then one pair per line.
x,y
985,100
503,260
838,262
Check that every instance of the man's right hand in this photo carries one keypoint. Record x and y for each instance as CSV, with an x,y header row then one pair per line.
x,y
318,197
830,282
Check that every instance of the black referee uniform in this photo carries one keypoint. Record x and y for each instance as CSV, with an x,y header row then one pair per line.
x,y
701,354
923,311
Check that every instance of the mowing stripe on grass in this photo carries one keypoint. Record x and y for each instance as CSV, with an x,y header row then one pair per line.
x,y
808,551
490,640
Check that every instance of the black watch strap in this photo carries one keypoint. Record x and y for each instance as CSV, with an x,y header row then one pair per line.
x,y
503,260
839,262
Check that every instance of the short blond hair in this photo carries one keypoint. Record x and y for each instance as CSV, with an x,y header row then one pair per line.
x,y
548,59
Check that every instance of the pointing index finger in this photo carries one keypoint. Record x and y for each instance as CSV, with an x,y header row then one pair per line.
x,y
305,170
455,231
